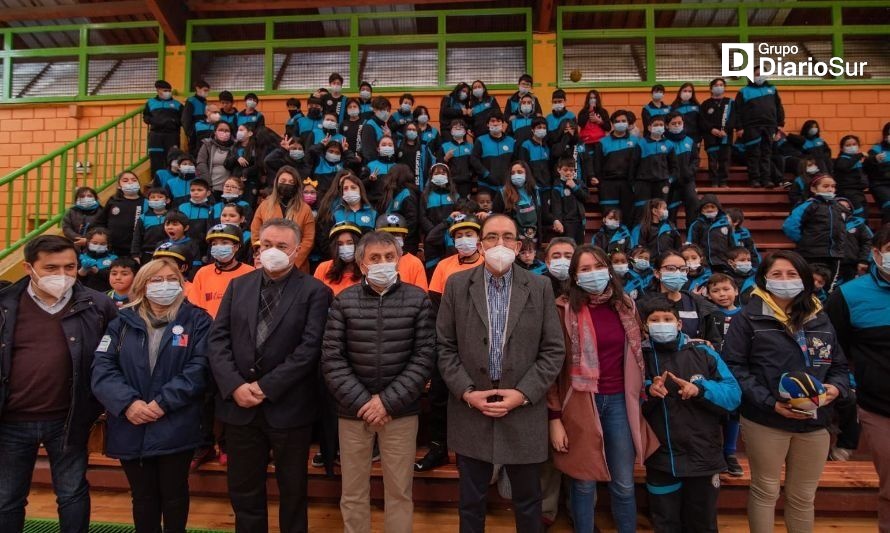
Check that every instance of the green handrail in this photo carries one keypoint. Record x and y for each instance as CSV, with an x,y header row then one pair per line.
x,y
38,194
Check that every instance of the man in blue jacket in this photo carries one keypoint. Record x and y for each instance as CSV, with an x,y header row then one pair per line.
x,y
48,321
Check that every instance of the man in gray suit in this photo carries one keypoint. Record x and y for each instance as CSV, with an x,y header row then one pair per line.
x,y
500,348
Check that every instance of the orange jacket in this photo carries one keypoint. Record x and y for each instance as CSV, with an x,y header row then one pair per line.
x,y
209,286
303,218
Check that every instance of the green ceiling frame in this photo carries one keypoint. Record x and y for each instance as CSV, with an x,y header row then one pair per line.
x,y
82,52
742,32
354,41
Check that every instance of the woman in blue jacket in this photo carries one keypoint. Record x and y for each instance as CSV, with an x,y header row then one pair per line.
x,y
783,329
150,372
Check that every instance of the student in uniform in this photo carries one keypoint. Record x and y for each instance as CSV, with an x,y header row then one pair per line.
x,y
250,115
857,244
520,127
336,102
742,234
809,143
514,103
199,211
401,197
689,391
760,115
163,115
403,115
640,276
233,193
493,152
527,258
345,202
352,125
717,123
329,131
482,107
176,227
341,271
615,160
427,133
204,128
682,189
437,203
655,232
415,154
568,200
149,231
454,106
456,153
688,107
655,108
121,211
374,129
178,186
95,261
228,113
195,111
699,270
741,271
311,122
536,153
612,235
81,216
657,165
712,231
235,214
120,277
877,168
519,200
849,174
365,100
559,118
376,168
799,190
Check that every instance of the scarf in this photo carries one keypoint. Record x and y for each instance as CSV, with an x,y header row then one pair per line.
x,y
584,371
777,310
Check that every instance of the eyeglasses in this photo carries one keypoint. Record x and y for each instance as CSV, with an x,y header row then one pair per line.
x,y
492,239
672,269
158,279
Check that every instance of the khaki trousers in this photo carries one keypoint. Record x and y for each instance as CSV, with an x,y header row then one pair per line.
x,y
398,448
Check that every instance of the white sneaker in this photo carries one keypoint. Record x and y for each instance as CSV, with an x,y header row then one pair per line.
x,y
839,454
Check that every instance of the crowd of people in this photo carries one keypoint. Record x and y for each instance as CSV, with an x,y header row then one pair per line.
x,y
267,291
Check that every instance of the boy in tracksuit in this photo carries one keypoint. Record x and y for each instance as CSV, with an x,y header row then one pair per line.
x,y
657,107
615,161
250,115
760,114
717,119
559,115
743,235
456,152
375,128
740,269
682,191
199,211
228,113
658,164
205,127
149,232
521,121
512,107
689,390
567,200
493,153
179,186
193,112
536,153
163,115
713,232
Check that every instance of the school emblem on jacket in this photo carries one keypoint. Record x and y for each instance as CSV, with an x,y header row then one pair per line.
x,y
115,210
506,148
696,377
365,219
664,148
392,219
710,110
665,189
724,230
630,144
820,351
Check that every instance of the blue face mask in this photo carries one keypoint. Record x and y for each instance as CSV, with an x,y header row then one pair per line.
x,y
157,204
595,281
540,133
826,195
87,202
663,332
641,264
517,179
620,127
743,267
222,252
410,134
673,281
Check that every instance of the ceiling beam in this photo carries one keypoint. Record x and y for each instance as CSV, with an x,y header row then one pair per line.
x,y
545,16
68,11
172,16
264,5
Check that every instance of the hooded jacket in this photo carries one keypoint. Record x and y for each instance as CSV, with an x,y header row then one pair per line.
x,y
818,228
715,236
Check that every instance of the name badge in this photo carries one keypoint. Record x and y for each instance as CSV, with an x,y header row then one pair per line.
x,y
688,314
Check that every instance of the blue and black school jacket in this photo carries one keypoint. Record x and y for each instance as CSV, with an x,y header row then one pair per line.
x,y
690,432
149,233
858,310
537,267
567,203
637,283
609,240
179,380
759,348
365,109
658,161
292,127
537,155
324,172
491,160
372,132
616,158
430,138
759,106
651,111
716,114
555,120
716,237
193,111
162,116
461,163
482,110
162,177
230,118
306,125
849,173
521,127
813,146
696,281
419,158
878,172
200,220
685,153
743,238
203,130
857,245
527,211
179,188
690,112
746,284
364,218
218,208
380,167
818,228
661,238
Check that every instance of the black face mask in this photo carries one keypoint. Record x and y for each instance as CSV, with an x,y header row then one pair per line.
x,y
314,114
293,112
286,191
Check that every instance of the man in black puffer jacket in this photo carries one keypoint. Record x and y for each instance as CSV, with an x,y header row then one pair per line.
x,y
378,352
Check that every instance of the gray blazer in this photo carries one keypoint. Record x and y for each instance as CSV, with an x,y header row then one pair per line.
x,y
533,355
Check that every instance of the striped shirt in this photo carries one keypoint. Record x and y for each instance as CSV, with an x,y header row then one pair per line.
x,y
497,292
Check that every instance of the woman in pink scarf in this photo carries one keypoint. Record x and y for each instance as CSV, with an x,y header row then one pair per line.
x,y
596,428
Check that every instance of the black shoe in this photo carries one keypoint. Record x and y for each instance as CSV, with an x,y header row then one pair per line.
x,y
755,184
317,460
436,456
375,454
733,468
770,185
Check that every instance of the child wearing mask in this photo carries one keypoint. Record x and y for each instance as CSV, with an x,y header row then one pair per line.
x,y
682,187
164,175
717,116
485,200
336,100
699,271
415,154
481,108
228,113
329,131
232,193
558,257
454,107
437,204
519,199
818,226
199,211
689,391
493,152
620,265
149,231
521,122
712,231
428,134
567,201
655,232
194,111
799,190
365,100
211,164
250,115
593,120
615,160
640,277
376,169
234,214
657,107
513,106
375,128
657,165
329,163
95,261
849,173
456,152
741,271
812,145
120,213
211,281
612,235
857,245
559,114
404,114
179,184
81,216
687,106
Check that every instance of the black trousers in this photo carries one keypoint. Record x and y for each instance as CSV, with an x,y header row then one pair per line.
x,y
847,423
758,155
617,193
684,194
159,144
645,191
160,488
881,192
718,163
857,198
525,483
248,447
682,505
438,419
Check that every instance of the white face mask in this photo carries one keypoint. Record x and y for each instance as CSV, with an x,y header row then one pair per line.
x,y
784,288
382,274
274,260
559,268
500,258
718,90
352,197
611,224
693,265
163,292
663,332
884,264
56,285
466,246
621,268
346,252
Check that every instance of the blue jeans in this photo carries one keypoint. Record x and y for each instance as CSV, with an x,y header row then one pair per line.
x,y
19,442
620,456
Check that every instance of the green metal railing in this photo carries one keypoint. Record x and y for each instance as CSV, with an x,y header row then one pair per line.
x,y
37,195
356,41
14,48
652,30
